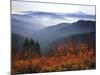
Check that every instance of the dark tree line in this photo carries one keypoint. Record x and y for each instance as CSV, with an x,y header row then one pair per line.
x,y
32,47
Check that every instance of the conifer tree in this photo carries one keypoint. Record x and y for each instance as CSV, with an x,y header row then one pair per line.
x,y
31,43
37,46
26,44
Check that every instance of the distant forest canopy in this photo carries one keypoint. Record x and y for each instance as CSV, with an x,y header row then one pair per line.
x,y
29,44
34,47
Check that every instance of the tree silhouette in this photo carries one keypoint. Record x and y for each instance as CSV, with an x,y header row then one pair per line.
x,y
31,43
37,46
26,44
32,48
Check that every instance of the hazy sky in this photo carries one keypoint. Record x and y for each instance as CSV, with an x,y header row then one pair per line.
x,y
20,6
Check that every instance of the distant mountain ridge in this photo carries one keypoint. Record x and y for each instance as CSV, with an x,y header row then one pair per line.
x,y
78,14
51,33
28,22
65,29
23,27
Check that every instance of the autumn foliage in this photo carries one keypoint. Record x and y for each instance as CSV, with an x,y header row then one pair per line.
x,y
68,56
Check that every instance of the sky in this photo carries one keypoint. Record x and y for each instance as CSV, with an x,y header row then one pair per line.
x,y
20,6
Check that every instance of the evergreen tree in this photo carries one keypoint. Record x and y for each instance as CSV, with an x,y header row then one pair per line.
x,y
31,47
26,44
37,46
31,43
